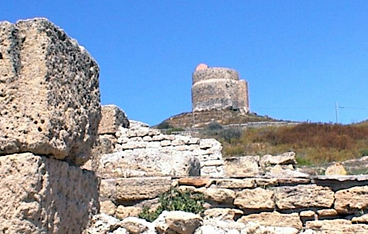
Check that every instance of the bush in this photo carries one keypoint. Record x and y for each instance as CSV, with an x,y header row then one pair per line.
x,y
364,152
214,126
230,134
175,199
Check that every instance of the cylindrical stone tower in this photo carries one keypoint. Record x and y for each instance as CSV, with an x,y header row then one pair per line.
x,y
218,88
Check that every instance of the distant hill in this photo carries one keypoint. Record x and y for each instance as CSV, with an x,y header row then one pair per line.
x,y
200,119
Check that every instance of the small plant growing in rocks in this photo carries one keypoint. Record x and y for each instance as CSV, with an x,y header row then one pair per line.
x,y
175,199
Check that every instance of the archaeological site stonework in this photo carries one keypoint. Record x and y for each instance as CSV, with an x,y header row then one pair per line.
x,y
49,92
49,116
69,166
218,88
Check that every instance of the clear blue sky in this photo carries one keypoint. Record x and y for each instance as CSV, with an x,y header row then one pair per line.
x,y
299,57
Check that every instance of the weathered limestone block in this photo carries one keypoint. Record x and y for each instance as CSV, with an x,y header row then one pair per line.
x,y
112,118
327,213
336,226
235,183
123,212
195,181
361,219
245,166
43,195
222,213
177,222
149,162
222,196
221,227
103,223
308,214
283,159
132,189
136,226
336,169
274,219
256,199
351,200
107,207
49,92
279,172
291,197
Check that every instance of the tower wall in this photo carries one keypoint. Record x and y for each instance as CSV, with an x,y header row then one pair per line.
x,y
218,88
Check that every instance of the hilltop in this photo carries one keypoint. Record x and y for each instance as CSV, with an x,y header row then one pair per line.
x,y
200,119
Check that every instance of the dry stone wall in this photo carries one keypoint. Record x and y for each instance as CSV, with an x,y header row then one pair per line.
x,y
278,205
49,114
143,151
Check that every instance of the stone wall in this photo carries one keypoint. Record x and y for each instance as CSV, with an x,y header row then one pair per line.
x,y
49,114
318,204
143,151
218,88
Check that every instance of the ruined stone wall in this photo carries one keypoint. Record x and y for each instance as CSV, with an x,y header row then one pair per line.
x,y
49,114
139,150
218,88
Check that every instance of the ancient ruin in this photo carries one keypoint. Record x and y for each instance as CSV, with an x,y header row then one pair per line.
x,y
51,123
49,115
218,88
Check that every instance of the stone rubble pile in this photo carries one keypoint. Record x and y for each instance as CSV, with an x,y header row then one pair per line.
x,y
49,115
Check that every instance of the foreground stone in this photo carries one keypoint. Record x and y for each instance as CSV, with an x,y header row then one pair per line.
x,y
352,200
148,162
43,195
303,196
256,199
134,189
245,166
337,226
177,222
112,118
49,92
274,219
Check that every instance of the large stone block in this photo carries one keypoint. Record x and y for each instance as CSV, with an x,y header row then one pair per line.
x,y
112,118
303,196
244,166
43,195
337,226
134,189
49,92
148,162
274,219
256,199
352,200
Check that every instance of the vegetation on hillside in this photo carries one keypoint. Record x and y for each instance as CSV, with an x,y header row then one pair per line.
x,y
314,143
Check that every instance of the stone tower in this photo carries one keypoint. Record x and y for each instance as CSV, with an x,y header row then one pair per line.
x,y
218,88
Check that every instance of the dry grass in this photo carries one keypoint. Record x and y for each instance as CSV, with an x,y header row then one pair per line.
x,y
314,143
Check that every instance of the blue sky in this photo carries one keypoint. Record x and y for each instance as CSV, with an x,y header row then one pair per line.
x,y
299,57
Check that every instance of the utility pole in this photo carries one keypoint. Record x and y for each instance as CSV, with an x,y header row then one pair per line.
x,y
337,112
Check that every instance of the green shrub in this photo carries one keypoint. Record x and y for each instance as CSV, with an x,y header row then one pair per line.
x,y
175,199
364,152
